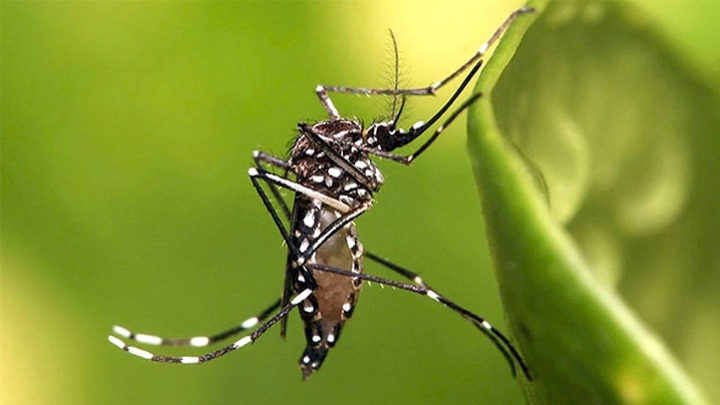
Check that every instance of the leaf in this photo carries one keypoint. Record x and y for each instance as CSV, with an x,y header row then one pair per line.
x,y
594,106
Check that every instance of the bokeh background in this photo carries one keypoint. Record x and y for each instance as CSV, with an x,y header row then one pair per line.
x,y
127,131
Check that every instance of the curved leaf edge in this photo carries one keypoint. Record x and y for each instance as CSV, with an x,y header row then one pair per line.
x,y
541,273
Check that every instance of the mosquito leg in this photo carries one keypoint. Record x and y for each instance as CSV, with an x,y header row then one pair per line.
x,y
296,187
256,174
299,298
304,252
501,341
197,341
329,231
476,320
261,157
300,254
322,93
434,87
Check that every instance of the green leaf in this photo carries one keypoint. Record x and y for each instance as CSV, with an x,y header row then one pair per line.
x,y
591,156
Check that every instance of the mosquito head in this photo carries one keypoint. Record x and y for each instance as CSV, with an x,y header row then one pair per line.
x,y
382,135
387,137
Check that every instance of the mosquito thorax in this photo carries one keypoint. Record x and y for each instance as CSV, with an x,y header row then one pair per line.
x,y
316,169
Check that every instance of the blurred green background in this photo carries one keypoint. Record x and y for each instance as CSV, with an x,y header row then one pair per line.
x,y
127,131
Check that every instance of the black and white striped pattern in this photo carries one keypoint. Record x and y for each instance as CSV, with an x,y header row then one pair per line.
x,y
155,340
333,179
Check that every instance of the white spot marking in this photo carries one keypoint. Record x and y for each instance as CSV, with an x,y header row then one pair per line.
x,y
242,342
117,342
250,322
361,164
252,172
483,48
330,338
200,341
379,177
122,331
306,359
418,280
335,172
310,151
486,325
301,297
316,338
148,339
347,307
256,153
301,278
309,219
350,186
350,241
328,181
139,352
304,245
369,172
308,307
317,178
190,360
432,294
418,124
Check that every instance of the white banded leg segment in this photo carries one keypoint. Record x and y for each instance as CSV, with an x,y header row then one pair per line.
x,y
496,337
301,297
180,359
250,322
327,104
148,339
432,294
117,342
199,341
130,349
244,341
298,188
196,341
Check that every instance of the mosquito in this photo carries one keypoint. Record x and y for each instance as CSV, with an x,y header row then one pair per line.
x,y
333,179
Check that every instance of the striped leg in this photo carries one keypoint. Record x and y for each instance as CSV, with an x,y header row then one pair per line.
x,y
323,91
261,157
197,341
218,353
499,340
